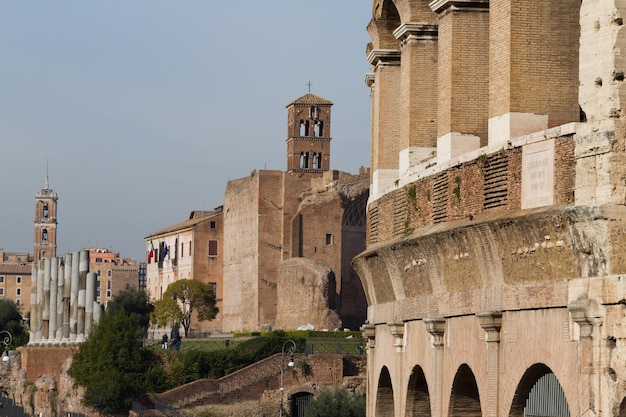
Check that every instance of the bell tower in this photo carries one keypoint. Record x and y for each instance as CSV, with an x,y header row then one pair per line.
x,y
45,223
308,135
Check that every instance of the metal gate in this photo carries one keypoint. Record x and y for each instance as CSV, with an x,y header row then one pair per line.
x,y
299,403
547,398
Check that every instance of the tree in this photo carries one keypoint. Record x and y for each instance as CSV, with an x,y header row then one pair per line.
x,y
11,321
337,402
181,299
112,364
133,301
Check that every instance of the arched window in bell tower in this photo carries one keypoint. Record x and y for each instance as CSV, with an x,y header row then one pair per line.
x,y
45,211
302,128
315,161
314,112
44,235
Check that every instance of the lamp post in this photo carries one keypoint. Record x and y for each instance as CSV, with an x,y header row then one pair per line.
x,y
290,350
7,338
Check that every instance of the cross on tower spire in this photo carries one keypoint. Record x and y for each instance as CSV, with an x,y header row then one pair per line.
x,y
309,85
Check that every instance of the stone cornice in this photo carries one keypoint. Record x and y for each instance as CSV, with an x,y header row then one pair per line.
x,y
370,78
418,31
390,56
443,6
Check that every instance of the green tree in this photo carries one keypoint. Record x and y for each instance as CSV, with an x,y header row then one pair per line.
x,y
112,364
181,299
133,301
11,321
338,402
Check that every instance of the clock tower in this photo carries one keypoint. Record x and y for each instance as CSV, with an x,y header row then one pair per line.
x,y
45,223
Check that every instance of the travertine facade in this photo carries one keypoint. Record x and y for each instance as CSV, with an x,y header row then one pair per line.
x,y
494,268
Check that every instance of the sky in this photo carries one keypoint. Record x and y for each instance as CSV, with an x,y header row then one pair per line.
x,y
140,111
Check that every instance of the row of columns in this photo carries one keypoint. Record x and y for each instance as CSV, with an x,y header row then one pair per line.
x,y
63,299
467,74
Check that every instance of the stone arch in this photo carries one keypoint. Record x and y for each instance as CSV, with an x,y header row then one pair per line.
x,y
385,19
464,398
541,387
418,397
384,395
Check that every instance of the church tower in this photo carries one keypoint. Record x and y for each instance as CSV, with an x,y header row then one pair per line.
x,y
45,223
308,141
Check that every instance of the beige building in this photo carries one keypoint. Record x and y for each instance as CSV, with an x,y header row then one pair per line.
x,y
192,249
494,268
114,274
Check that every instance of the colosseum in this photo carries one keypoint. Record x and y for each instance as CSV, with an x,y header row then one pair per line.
x,y
495,265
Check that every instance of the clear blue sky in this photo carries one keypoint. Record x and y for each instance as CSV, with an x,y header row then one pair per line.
x,y
145,109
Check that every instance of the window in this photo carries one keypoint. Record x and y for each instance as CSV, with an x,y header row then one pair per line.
x,y
213,226
329,238
18,291
212,248
18,280
108,293
127,286
45,211
182,249
99,272
1,291
18,302
190,248
1,279
44,235
109,273
108,285
214,288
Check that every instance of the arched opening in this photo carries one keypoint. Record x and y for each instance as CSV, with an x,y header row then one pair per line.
x,y
539,393
418,398
315,160
44,235
45,211
464,398
384,395
302,128
299,402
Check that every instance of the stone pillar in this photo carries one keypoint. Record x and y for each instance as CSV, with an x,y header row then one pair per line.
x,y
463,76
589,316
67,287
59,301
90,298
45,302
40,279
83,268
385,145
54,276
491,322
74,297
533,59
34,310
418,93
369,333
436,327
397,331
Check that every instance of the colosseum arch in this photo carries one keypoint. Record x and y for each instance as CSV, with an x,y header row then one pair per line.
x,y
539,393
384,395
464,398
418,397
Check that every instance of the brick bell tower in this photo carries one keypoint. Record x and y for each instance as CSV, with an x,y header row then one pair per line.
x,y
45,223
308,135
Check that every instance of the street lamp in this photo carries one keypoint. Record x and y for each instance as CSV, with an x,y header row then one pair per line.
x,y
290,350
7,338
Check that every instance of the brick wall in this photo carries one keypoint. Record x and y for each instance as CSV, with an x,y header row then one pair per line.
x,y
463,190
